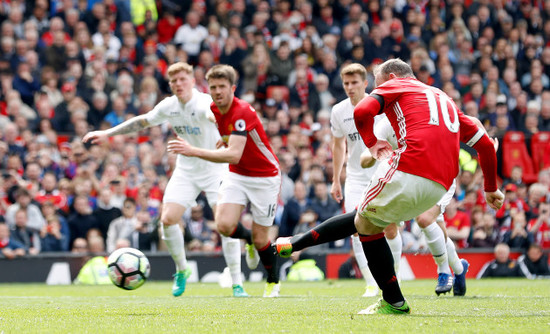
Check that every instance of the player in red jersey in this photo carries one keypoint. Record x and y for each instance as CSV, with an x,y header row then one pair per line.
x,y
414,179
427,123
254,176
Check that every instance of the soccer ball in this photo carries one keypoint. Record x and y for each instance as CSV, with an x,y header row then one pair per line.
x,y
128,268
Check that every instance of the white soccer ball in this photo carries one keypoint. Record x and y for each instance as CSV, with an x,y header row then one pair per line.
x,y
128,268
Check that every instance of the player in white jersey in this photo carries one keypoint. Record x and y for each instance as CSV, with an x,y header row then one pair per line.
x,y
188,112
344,134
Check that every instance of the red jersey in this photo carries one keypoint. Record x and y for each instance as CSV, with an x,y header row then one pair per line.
x,y
258,158
428,126
459,221
542,237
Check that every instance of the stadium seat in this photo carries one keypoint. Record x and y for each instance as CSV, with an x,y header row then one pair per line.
x,y
514,153
539,142
272,92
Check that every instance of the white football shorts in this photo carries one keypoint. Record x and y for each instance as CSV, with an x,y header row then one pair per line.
x,y
183,188
353,192
395,196
445,200
261,192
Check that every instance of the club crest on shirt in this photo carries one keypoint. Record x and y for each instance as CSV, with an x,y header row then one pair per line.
x,y
240,125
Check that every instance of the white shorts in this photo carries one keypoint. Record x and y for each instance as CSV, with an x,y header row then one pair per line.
x,y
353,192
394,196
261,192
183,188
446,199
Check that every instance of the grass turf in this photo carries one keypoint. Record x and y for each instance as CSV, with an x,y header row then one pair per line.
x,y
501,306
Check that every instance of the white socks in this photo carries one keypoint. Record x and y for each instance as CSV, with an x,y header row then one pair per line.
x,y
396,246
232,253
436,242
362,260
454,261
173,237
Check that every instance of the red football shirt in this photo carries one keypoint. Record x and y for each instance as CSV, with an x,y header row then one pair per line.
x,y
428,126
258,158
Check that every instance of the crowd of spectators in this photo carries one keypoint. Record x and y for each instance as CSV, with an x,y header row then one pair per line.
x,y
71,66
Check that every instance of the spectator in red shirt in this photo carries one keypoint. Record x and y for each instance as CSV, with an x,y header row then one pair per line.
x,y
50,193
540,226
167,26
511,201
458,224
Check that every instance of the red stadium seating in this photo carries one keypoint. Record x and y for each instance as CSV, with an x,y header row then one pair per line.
x,y
514,153
539,142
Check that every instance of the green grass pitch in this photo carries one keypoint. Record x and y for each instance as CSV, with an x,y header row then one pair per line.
x,y
490,306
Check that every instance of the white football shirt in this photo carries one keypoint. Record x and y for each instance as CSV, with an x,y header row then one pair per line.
x,y
343,125
190,122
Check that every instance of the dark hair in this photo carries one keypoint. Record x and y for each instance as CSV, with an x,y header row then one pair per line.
x,y
22,192
222,72
130,200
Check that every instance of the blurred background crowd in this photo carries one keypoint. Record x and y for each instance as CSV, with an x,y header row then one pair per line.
x,y
71,66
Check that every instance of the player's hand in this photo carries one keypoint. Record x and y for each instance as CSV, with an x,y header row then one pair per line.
x,y
96,137
381,150
336,191
495,199
180,146
220,143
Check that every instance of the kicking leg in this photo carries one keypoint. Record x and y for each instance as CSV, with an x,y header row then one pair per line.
x,y
335,228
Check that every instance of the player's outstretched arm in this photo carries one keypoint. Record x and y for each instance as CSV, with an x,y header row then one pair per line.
x,y
231,154
132,125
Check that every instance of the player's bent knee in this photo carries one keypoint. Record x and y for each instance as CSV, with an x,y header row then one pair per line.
x,y
391,231
424,220
225,228
169,219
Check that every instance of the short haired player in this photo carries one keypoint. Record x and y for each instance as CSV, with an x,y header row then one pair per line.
x,y
254,176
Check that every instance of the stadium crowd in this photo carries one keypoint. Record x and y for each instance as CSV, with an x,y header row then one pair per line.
x,y
68,67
